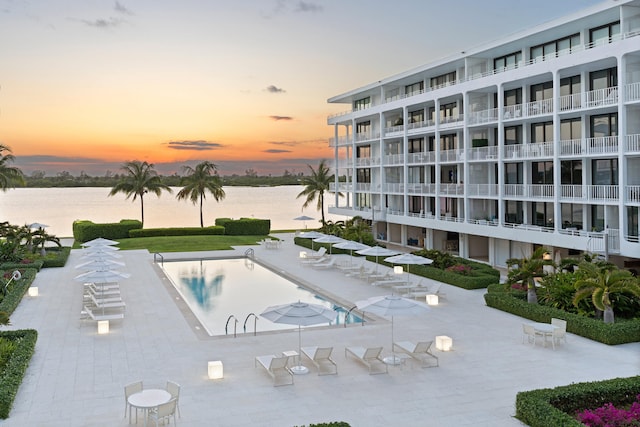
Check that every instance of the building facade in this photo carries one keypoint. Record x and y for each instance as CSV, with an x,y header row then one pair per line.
x,y
533,140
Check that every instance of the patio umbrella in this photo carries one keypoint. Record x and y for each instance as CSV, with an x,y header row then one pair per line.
x,y
100,248
100,241
104,276
37,225
377,251
328,238
310,235
99,265
351,246
102,255
301,314
303,218
408,259
392,305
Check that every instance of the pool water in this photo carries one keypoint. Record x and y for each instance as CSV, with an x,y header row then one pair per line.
x,y
216,289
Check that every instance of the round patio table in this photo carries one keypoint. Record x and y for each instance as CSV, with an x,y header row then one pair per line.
x,y
147,399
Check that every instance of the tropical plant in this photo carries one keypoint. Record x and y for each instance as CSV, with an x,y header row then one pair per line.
x,y
140,179
10,176
359,230
557,290
316,185
198,181
527,270
40,238
600,283
335,228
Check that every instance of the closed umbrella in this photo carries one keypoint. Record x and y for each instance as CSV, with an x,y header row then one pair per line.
x,y
376,251
392,305
408,259
351,246
100,265
301,314
329,239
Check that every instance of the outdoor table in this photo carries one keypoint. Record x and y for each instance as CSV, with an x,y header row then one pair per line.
x,y
545,329
148,399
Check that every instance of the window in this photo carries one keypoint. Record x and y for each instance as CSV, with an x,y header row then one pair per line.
x,y
542,132
632,222
554,47
513,173
361,104
542,173
443,80
449,110
512,135
513,211
604,172
512,97
571,172
604,125
393,148
363,151
571,215
570,86
597,217
414,89
570,129
416,116
542,91
415,204
415,175
448,142
508,61
364,199
603,79
604,34
542,214
363,175
363,127
416,145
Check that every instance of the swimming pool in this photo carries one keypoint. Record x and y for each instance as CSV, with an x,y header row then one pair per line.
x,y
216,289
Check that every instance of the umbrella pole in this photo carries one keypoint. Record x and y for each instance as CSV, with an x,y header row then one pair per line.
x,y
299,368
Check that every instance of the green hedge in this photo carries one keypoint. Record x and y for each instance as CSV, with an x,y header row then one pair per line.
x,y
36,264
556,406
245,226
177,231
11,377
482,275
56,257
83,231
17,289
622,332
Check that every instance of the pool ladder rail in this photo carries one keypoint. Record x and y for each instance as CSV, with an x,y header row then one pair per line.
x,y
235,324
255,323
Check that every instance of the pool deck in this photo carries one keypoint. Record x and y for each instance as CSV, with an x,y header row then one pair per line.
x,y
76,377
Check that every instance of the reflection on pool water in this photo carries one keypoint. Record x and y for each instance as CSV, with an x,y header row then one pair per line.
x,y
216,289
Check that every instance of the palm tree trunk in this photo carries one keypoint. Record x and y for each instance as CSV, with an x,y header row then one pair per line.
x,y
322,208
142,209
532,297
201,221
608,315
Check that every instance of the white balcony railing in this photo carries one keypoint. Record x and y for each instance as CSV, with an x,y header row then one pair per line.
x,y
483,153
602,97
602,145
452,155
633,143
632,92
451,189
483,190
632,193
483,116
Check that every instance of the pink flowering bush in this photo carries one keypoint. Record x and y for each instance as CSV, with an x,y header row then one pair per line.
x,y
610,416
460,269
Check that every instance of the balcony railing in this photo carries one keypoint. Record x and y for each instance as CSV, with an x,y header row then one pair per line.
x,y
602,97
633,143
589,192
452,155
483,190
602,145
421,188
632,92
451,189
539,191
599,145
484,116
394,159
632,193
483,153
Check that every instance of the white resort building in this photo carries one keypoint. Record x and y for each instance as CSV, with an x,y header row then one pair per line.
x,y
533,140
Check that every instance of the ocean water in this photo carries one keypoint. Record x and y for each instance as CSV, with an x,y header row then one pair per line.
x,y
59,207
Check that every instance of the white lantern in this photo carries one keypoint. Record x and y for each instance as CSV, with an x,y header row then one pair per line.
x,y
444,343
33,291
398,269
216,370
432,299
103,327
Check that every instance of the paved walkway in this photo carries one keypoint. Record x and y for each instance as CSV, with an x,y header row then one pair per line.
x,y
76,377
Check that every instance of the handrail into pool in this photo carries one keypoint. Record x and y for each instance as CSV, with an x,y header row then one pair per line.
x,y
158,254
249,253
235,325
255,323
349,312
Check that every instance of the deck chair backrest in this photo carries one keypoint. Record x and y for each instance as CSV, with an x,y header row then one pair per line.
x,y
528,329
562,324
423,347
168,408
372,353
278,363
322,251
323,353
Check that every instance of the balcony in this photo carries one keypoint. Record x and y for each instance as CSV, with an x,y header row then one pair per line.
x,y
526,151
538,191
632,194
456,155
421,189
394,160
451,189
599,145
482,117
483,190
483,153
633,143
588,193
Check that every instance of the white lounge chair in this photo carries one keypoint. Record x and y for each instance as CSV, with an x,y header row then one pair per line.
x,y
321,358
428,289
420,352
93,313
331,262
370,357
314,256
276,367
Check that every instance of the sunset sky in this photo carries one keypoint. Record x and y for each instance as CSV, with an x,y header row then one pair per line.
x,y
88,84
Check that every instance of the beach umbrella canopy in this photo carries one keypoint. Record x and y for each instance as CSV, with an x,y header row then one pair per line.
x,y
310,235
37,225
328,238
100,265
391,306
377,251
351,246
100,241
408,259
303,218
105,276
100,248
100,255
301,314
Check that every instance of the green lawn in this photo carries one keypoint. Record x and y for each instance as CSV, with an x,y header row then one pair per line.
x,y
187,243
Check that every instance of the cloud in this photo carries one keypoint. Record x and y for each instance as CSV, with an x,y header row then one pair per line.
x,y
286,143
279,118
110,22
120,8
199,145
304,6
274,89
276,151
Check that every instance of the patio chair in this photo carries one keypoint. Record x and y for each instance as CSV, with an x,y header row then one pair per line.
x,y
321,358
174,390
164,412
420,352
331,262
315,256
276,367
560,333
130,389
370,357
529,332
93,313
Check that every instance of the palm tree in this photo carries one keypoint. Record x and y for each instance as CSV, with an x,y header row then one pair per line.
x,y
40,238
140,179
198,181
601,281
527,270
315,187
9,175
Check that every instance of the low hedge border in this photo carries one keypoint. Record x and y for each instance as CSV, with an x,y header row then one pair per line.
x,y
482,276
622,332
84,230
556,406
18,289
11,377
245,226
177,231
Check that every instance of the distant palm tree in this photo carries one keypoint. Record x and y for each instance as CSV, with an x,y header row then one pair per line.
x,y
9,175
528,270
316,185
198,181
141,178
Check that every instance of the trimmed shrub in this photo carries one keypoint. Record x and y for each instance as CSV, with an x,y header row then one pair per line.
x,y
557,406
83,231
177,231
16,289
16,366
245,226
